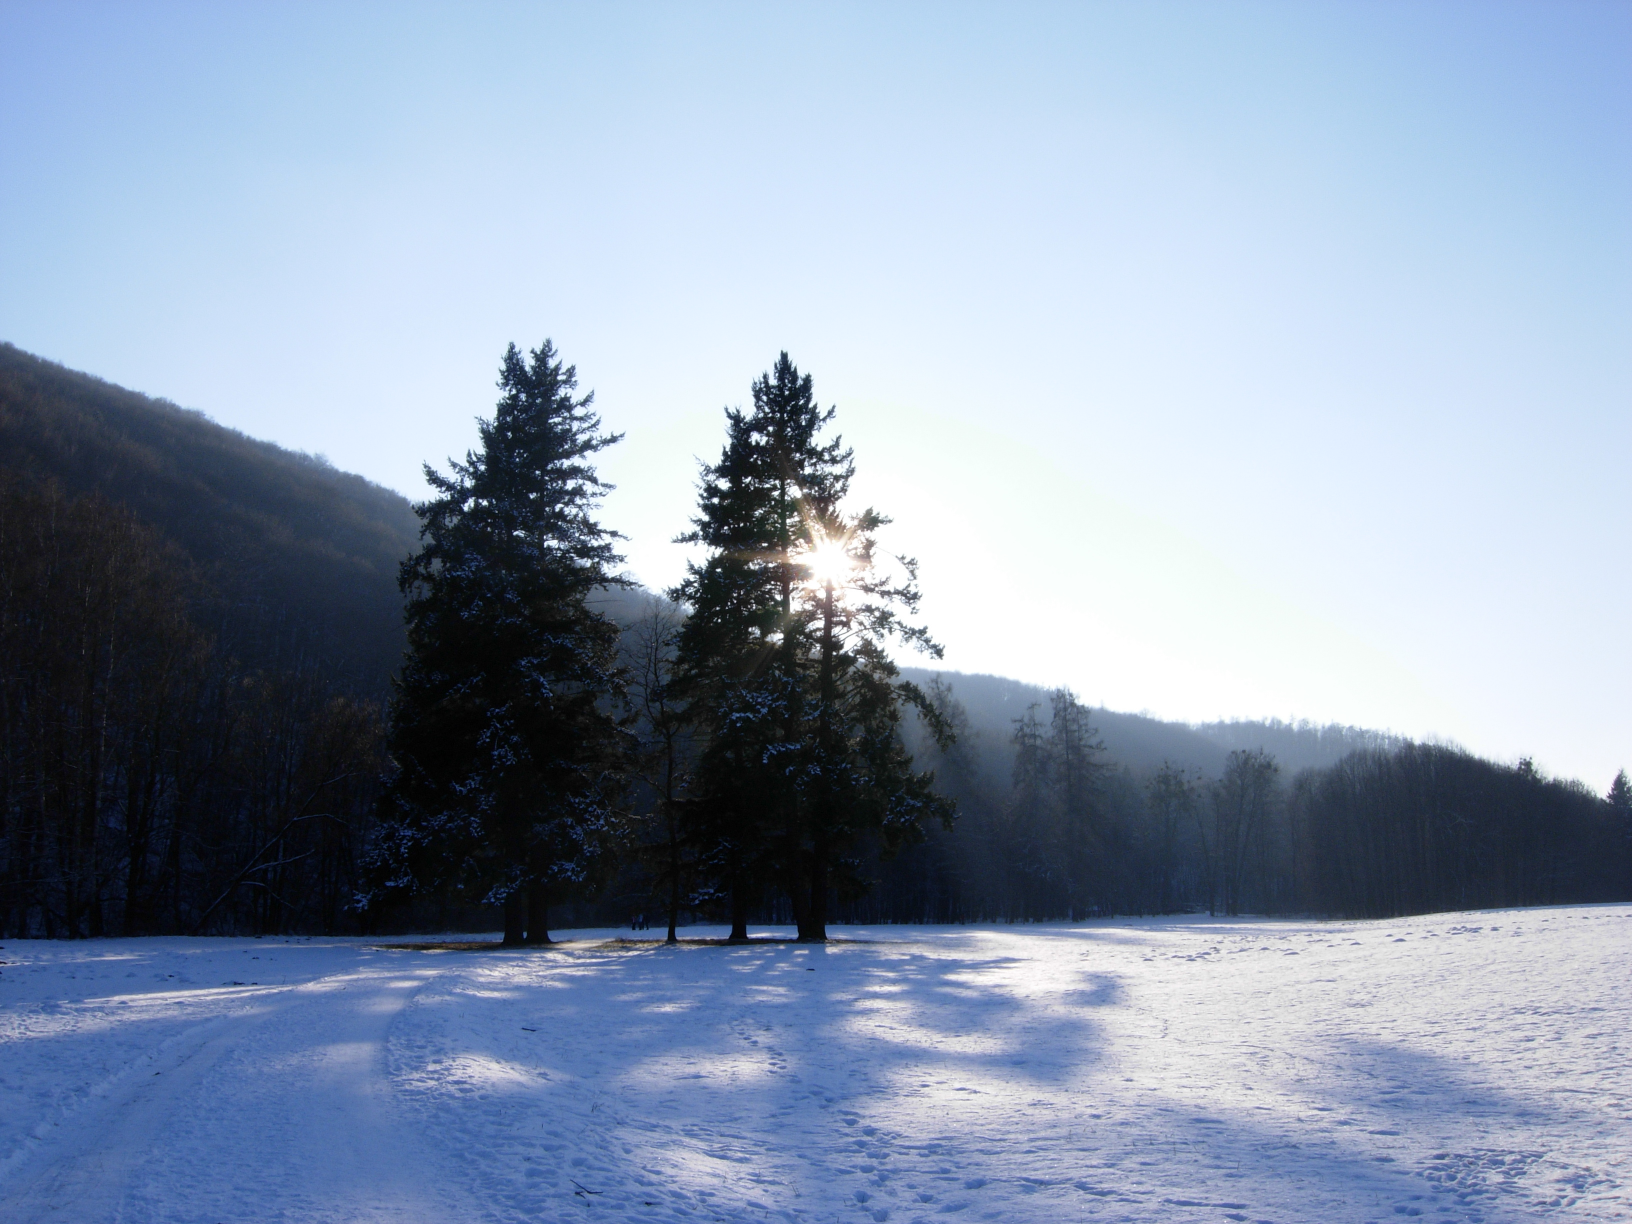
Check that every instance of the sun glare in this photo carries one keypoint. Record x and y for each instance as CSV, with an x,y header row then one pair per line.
x,y
828,562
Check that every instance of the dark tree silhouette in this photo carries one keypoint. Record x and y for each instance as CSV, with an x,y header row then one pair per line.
x,y
1619,799
858,779
796,704
664,756
1244,801
508,755
1171,799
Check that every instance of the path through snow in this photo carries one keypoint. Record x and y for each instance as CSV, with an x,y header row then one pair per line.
x,y
1461,1067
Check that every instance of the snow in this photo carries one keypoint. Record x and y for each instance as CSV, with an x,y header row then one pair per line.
x,y
1459,1067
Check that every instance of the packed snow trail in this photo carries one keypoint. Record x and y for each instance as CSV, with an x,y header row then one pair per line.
x,y
1462,1067
275,1107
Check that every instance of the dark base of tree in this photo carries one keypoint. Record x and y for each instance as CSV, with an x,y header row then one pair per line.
x,y
538,916
526,920
739,917
515,919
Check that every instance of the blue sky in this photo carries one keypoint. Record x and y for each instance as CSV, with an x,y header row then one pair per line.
x,y
1215,359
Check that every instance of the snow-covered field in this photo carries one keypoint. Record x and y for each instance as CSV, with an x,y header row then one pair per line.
x,y
1461,1067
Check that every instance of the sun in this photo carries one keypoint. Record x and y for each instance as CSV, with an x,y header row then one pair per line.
x,y
828,563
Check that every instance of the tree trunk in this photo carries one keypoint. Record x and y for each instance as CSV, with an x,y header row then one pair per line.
x,y
739,915
798,889
515,917
538,914
674,886
815,925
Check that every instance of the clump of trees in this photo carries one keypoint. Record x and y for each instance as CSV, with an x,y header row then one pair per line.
x,y
763,724
1430,828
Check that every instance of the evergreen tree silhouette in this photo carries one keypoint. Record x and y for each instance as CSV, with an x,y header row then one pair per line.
x,y
508,753
796,702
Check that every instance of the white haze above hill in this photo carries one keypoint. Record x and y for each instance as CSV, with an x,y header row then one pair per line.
x,y
1470,1068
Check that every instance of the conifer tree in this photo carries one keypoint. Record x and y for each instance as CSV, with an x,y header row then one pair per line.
x,y
782,662
508,754
1077,767
858,779
1619,799
721,670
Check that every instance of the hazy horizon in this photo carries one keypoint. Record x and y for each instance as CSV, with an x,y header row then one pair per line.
x,y
1216,361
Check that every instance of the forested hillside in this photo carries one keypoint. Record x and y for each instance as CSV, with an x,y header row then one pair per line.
x,y
197,632
1055,822
1142,743
303,557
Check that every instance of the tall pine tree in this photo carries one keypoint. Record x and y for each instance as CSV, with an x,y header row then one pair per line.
x,y
858,780
509,757
783,665
722,672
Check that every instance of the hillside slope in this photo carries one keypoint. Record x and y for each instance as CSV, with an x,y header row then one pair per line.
x,y
304,556
1139,742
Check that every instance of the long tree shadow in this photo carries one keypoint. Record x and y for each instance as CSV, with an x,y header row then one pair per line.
x,y
771,1061
916,1079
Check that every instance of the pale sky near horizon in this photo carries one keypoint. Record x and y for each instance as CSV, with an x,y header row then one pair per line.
x,y
1217,360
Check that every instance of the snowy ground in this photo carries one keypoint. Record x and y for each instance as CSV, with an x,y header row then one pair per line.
x,y
1462,1067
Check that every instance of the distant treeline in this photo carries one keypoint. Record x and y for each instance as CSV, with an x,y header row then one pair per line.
x,y
198,633
1399,829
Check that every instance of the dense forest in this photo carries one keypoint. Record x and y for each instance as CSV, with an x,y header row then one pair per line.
x,y
199,731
